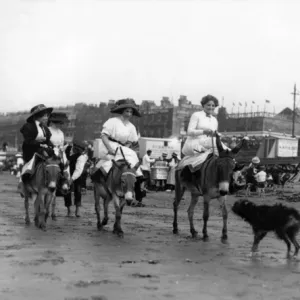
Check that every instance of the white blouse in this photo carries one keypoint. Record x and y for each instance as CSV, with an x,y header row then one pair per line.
x,y
199,122
57,137
120,131
197,141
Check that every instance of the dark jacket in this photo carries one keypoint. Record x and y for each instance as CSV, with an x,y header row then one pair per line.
x,y
30,145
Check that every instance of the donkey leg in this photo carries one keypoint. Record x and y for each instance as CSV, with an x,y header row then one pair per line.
x,y
222,200
190,212
97,204
48,201
205,217
105,208
26,204
117,226
41,215
179,191
53,208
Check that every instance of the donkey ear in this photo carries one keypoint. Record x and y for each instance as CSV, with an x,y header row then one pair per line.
x,y
218,142
239,146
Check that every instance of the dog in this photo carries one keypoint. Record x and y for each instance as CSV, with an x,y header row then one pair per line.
x,y
283,220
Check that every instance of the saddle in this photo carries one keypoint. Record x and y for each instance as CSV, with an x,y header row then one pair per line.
x,y
191,176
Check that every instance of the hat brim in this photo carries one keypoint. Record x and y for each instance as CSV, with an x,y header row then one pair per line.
x,y
48,110
119,109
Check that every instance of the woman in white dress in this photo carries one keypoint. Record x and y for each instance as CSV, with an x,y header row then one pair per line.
x,y
55,123
201,127
118,132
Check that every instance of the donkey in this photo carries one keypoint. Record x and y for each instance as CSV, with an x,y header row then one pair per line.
x,y
119,187
210,181
41,186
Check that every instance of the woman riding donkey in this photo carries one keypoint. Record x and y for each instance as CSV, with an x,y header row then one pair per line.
x,y
119,137
37,137
118,168
201,172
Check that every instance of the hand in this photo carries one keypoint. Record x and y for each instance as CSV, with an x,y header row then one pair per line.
x,y
208,132
111,152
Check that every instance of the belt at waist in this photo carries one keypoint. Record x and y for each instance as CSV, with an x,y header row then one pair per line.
x,y
116,141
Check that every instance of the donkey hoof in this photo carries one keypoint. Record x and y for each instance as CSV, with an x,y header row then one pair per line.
x,y
43,227
120,233
104,221
27,221
54,218
224,239
175,231
205,238
99,226
194,234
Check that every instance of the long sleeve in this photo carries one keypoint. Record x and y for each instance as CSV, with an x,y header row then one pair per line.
x,y
80,163
192,128
29,134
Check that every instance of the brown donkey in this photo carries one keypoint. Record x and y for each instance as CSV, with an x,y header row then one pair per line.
x,y
210,181
117,187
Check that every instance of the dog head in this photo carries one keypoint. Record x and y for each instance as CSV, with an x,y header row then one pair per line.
x,y
242,207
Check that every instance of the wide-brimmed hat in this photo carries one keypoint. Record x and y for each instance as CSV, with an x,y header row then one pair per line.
x,y
19,155
39,109
174,154
255,160
123,104
58,117
164,154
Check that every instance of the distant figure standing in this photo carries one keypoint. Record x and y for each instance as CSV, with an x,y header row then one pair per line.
x,y
171,175
4,146
146,168
77,159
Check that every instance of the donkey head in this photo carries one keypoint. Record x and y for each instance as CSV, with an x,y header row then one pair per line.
x,y
226,164
52,172
127,180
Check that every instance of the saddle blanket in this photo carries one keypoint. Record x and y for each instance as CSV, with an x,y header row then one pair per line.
x,y
194,162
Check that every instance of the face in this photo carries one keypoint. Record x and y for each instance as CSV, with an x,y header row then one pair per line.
x,y
209,107
43,119
127,113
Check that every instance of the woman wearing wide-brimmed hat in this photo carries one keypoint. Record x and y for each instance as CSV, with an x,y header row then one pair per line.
x,y
36,136
35,131
119,132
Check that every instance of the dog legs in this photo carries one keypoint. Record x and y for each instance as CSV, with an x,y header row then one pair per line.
x,y
258,236
292,236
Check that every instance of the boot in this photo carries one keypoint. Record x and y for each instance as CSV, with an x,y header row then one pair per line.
x,y
77,212
69,211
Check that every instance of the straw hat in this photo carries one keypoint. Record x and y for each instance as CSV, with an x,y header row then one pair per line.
x,y
58,117
255,160
19,155
37,110
123,104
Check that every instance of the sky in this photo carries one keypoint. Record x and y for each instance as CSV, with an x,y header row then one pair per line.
x,y
63,52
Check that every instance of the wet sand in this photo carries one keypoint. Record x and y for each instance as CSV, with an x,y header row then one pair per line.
x,y
73,260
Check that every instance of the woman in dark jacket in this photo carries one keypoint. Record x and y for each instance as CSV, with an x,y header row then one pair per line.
x,y
35,132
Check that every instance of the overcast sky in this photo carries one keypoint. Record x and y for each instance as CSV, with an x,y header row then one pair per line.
x,y
63,52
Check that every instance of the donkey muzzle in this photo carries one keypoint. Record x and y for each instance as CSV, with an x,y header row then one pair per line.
x,y
224,188
52,186
128,196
